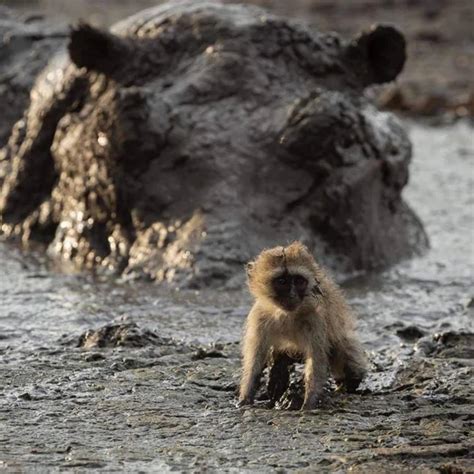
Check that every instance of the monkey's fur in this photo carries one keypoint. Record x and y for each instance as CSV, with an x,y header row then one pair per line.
x,y
299,311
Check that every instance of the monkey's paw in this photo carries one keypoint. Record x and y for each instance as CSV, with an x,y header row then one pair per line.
x,y
244,402
311,404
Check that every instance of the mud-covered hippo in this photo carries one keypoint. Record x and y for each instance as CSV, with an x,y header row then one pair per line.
x,y
193,134
26,45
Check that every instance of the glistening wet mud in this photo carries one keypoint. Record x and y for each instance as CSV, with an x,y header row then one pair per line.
x,y
154,388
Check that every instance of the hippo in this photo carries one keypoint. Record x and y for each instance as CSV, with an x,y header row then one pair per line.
x,y
178,144
26,45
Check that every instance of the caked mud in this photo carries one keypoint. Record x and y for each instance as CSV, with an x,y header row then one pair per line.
x,y
125,375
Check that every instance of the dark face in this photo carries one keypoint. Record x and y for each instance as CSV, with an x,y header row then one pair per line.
x,y
289,290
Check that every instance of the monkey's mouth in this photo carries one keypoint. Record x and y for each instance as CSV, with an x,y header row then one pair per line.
x,y
289,304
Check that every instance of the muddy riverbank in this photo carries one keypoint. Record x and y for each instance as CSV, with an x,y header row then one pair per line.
x,y
160,394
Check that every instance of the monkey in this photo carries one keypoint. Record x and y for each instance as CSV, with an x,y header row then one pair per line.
x,y
299,311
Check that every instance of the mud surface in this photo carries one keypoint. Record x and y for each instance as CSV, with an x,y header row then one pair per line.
x,y
123,375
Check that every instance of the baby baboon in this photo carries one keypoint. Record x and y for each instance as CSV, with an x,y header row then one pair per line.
x,y
301,312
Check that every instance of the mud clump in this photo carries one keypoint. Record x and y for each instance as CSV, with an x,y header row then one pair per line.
x,y
206,352
132,336
454,345
410,333
193,134
120,335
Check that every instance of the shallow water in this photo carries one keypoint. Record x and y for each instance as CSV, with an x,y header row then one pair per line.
x,y
160,406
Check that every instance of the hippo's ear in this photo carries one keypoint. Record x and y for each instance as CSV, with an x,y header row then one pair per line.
x,y
382,51
97,50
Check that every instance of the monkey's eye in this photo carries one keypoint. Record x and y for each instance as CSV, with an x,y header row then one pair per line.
x,y
283,280
300,281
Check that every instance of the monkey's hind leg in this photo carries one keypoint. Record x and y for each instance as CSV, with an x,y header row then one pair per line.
x,y
279,376
349,364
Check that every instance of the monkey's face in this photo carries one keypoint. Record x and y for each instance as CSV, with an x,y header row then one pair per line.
x,y
289,290
283,276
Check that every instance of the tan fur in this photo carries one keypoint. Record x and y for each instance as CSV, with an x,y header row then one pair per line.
x,y
321,328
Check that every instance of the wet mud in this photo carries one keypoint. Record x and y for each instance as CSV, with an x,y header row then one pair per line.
x,y
123,375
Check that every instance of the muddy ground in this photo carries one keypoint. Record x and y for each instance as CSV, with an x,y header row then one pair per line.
x,y
154,389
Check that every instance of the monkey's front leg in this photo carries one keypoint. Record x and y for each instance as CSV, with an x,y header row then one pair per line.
x,y
255,352
316,374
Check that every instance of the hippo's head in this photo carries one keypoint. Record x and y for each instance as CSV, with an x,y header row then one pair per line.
x,y
195,133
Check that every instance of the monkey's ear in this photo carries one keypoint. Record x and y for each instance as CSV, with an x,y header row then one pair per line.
x,y
249,267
